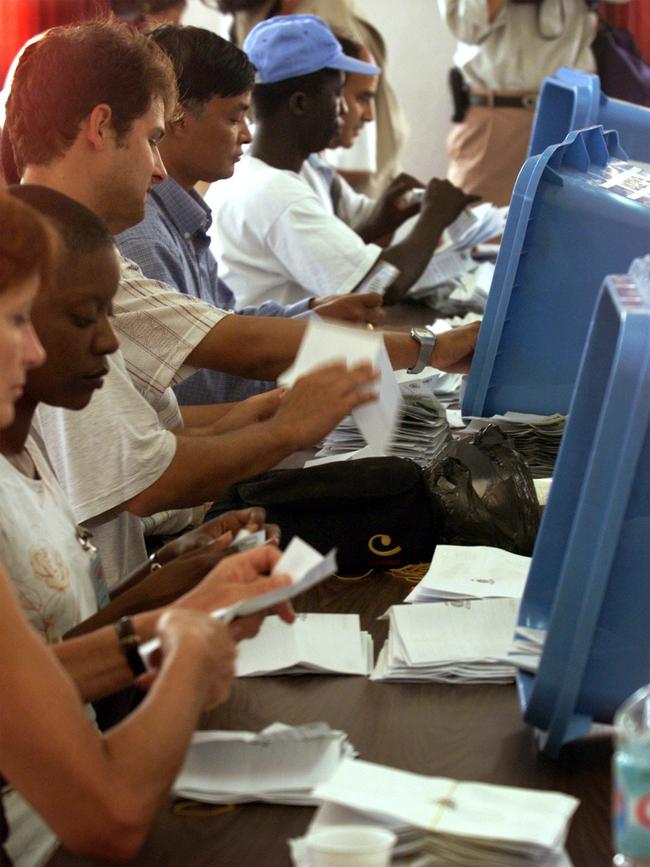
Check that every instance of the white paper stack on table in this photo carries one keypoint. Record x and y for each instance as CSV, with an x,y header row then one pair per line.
x,y
527,647
324,343
472,572
313,644
281,765
439,821
421,433
536,437
449,642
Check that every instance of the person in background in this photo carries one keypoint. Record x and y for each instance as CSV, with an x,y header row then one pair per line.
x,y
374,220
374,161
205,142
506,49
272,236
148,14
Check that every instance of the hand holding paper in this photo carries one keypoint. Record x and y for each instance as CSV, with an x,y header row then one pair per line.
x,y
304,565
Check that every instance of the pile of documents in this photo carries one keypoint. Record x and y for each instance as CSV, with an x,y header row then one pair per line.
x,y
449,642
442,821
472,572
453,280
313,644
527,648
537,438
421,433
281,764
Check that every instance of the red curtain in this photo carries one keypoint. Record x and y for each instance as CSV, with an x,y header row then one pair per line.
x,y
22,19
635,16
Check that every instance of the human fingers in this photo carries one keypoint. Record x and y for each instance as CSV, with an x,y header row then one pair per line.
x,y
248,565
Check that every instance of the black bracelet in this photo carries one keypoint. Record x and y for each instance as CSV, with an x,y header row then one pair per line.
x,y
129,642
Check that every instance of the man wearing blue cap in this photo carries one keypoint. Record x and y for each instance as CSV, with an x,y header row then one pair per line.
x,y
273,237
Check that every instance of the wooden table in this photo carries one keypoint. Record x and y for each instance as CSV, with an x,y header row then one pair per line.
x,y
467,732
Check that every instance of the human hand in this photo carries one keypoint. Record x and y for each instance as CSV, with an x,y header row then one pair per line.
x,y
215,536
256,408
318,401
393,208
443,202
208,647
454,349
362,307
240,576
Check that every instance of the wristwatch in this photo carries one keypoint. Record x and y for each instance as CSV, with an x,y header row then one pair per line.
x,y
427,341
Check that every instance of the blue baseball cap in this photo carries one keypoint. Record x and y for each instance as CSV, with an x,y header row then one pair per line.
x,y
291,45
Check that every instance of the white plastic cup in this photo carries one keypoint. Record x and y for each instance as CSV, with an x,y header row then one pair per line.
x,y
350,846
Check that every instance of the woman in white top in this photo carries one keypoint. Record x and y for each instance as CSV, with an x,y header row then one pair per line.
x,y
97,793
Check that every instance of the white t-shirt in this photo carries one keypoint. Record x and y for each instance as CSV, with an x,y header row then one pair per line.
x,y
51,571
274,240
105,454
351,207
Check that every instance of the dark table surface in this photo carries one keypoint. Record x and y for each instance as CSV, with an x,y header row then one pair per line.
x,y
465,732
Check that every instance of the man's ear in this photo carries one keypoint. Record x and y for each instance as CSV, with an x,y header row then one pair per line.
x,y
98,126
298,103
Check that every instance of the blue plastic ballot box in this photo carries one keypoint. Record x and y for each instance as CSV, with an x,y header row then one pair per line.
x,y
571,99
579,211
589,580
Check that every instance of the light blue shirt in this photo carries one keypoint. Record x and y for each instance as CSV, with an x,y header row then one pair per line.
x,y
171,244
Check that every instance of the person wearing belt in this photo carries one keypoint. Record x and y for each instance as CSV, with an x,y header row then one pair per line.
x,y
506,49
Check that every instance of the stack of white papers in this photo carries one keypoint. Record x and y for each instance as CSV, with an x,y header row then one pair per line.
x,y
527,648
421,433
449,642
325,343
442,821
313,644
472,572
536,437
281,764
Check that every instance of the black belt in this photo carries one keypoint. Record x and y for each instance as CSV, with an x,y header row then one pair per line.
x,y
494,100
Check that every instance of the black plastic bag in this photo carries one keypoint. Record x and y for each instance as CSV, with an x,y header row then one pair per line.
x,y
485,490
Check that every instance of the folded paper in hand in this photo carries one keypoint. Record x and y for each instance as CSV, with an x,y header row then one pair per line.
x,y
306,567
324,343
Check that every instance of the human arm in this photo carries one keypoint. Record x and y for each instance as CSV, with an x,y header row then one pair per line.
x,y
391,209
209,419
202,466
91,653
264,348
441,204
100,794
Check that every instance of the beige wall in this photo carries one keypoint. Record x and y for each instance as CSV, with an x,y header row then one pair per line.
x,y
419,56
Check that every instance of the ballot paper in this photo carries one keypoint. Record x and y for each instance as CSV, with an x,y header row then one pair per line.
x,y
526,649
324,343
411,847
537,438
421,433
474,226
313,644
445,821
281,764
305,566
449,642
472,572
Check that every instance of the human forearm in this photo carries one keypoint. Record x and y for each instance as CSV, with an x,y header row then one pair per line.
x,y
494,7
204,466
412,255
256,347
200,418
95,662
